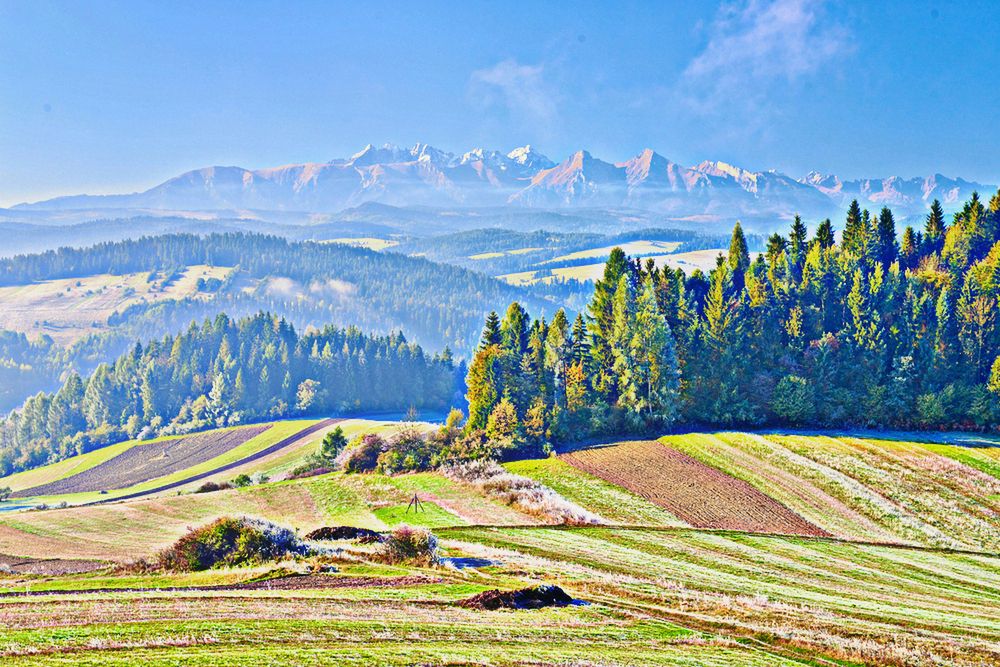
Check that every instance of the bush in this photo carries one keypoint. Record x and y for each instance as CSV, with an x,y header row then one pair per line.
x,y
4,493
410,545
408,450
241,480
210,487
229,542
362,455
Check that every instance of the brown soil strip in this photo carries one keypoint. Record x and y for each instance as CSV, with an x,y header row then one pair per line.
x,y
149,461
48,566
295,437
698,494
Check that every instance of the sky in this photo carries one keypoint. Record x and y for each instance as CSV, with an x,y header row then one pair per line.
x,y
104,97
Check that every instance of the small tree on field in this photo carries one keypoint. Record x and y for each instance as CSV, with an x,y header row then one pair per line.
x,y
4,493
333,443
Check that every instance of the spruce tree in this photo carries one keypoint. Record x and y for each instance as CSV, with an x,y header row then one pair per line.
x,y
824,234
491,331
852,228
738,258
934,230
887,249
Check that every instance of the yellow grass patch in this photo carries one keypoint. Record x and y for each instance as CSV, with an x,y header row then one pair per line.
x,y
69,308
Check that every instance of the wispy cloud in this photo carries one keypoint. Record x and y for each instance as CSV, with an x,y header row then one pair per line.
x,y
757,45
521,89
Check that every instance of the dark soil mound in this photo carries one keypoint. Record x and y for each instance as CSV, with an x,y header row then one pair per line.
x,y
362,535
535,597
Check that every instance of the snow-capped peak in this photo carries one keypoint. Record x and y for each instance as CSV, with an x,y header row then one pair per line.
x,y
526,156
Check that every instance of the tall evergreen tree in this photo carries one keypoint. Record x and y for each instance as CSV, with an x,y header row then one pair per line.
x,y
824,234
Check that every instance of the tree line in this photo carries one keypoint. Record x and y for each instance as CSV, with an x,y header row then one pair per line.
x,y
871,330
225,372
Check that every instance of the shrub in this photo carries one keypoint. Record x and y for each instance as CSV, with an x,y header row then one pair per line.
x,y
410,545
241,480
4,493
362,455
307,470
229,542
210,487
406,451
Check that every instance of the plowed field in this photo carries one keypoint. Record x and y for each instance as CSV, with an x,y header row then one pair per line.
x,y
145,462
696,493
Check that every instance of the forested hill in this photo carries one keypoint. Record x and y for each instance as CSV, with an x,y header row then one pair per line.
x,y
221,373
876,330
310,283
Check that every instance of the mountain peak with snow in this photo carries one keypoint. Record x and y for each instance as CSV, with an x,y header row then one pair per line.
x,y
423,175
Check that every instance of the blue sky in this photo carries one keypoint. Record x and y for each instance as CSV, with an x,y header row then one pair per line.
x,y
117,96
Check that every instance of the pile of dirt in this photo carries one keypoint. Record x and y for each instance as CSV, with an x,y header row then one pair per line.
x,y
534,597
363,535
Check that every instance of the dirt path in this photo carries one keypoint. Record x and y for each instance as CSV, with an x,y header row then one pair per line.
x,y
267,451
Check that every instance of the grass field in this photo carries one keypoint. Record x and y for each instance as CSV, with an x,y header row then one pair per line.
x,y
69,308
631,248
659,591
662,256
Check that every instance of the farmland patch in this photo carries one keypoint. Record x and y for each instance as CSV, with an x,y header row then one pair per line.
x,y
700,495
145,462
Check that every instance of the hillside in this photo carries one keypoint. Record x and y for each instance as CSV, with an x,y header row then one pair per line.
x,y
670,593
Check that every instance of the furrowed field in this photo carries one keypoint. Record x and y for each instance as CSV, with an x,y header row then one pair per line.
x,y
703,549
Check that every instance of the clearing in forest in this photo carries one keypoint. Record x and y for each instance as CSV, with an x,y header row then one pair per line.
x,y
701,495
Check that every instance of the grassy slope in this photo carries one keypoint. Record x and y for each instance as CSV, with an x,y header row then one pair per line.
x,y
608,501
814,595
70,308
272,435
671,596
866,489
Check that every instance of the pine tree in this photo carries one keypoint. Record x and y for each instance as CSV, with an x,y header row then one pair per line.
x,y
852,229
514,330
887,249
934,230
824,234
909,249
491,331
601,311
738,258
654,374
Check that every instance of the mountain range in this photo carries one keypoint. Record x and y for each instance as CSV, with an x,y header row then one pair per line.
x,y
424,176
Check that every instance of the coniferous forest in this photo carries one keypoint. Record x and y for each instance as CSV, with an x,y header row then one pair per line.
x,y
874,330
221,373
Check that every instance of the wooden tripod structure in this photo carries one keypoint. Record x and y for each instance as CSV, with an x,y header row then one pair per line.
x,y
415,505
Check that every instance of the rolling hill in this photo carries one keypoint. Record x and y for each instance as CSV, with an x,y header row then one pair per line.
x,y
879,584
